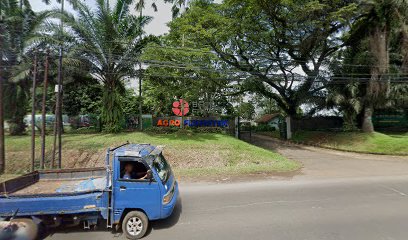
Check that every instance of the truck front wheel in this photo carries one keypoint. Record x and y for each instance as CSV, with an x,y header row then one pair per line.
x,y
135,225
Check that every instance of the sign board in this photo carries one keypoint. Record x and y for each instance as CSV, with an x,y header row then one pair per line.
x,y
57,88
190,122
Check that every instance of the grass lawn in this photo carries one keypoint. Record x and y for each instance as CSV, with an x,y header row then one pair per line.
x,y
392,144
191,156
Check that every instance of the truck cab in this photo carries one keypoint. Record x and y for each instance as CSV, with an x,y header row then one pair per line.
x,y
142,182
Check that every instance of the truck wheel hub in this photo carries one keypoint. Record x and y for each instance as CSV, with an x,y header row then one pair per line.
x,y
134,226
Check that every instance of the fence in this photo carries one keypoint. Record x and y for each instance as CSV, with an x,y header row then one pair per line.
x,y
317,123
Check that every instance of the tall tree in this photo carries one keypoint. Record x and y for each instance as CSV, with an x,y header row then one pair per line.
x,y
279,47
379,20
189,73
19,26
108,40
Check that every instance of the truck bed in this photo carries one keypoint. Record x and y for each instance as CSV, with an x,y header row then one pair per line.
x,y
55,192
56,182
63,186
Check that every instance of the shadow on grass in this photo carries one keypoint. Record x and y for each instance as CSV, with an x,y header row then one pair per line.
x,y
200,137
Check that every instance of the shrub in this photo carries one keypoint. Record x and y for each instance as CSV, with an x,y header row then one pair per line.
x,y
162,130
208,130
265,128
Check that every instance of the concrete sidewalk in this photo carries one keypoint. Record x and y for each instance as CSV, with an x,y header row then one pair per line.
x,y
319,163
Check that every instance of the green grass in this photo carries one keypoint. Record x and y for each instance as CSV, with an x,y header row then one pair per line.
x,y
379,143
191,155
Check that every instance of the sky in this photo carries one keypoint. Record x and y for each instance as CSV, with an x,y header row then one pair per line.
x,y
157,27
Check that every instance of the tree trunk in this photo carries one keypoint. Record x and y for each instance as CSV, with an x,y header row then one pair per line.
x,y
404,49
377,89
44,113
2,148
54,145
140,83
112,113
368,126
33,117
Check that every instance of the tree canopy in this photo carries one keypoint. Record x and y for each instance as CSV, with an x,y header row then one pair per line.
x,y
280,48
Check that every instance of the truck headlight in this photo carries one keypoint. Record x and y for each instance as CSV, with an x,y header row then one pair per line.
x,y
167,198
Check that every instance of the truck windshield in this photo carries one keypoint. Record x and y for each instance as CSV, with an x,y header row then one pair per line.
x,y
162,168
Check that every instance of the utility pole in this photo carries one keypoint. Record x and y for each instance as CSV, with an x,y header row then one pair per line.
x,y
44,111
2,147
33,116
140,79
58,110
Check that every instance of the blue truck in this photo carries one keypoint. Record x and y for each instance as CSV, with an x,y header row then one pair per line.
x,y
137,187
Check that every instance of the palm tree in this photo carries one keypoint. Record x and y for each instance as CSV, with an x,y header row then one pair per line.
x,y
18,25
21,26
347,99
379,20
108,41
179,6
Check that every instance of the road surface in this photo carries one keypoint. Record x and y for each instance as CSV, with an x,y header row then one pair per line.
x,y
319,163
336,196
363,209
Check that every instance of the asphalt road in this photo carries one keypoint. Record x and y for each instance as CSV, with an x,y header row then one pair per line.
x,y
319,163
365,208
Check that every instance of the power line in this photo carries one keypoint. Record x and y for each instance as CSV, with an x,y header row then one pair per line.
x,y
269,58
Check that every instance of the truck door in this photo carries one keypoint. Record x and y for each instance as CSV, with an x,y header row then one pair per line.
x,y
131,192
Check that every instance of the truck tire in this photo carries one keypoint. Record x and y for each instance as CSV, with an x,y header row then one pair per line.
x,y
26,227
135,225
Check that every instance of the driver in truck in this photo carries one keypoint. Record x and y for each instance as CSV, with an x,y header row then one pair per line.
x,y
130,174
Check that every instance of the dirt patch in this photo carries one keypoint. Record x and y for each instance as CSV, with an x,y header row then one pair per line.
x,y
197,158
46,187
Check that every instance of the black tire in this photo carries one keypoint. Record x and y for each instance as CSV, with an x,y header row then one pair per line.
x,y
28,227
135,225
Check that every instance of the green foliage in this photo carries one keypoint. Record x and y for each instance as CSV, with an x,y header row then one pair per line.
x,y
264,128
377,39
130,103
162,130
17,109
187,73
215,155
107,41
267,105
208,130
246,110
185,131
356,141
18,28
112,112
82,96
264,41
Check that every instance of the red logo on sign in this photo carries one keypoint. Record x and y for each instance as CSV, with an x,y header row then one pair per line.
x,y
181,108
